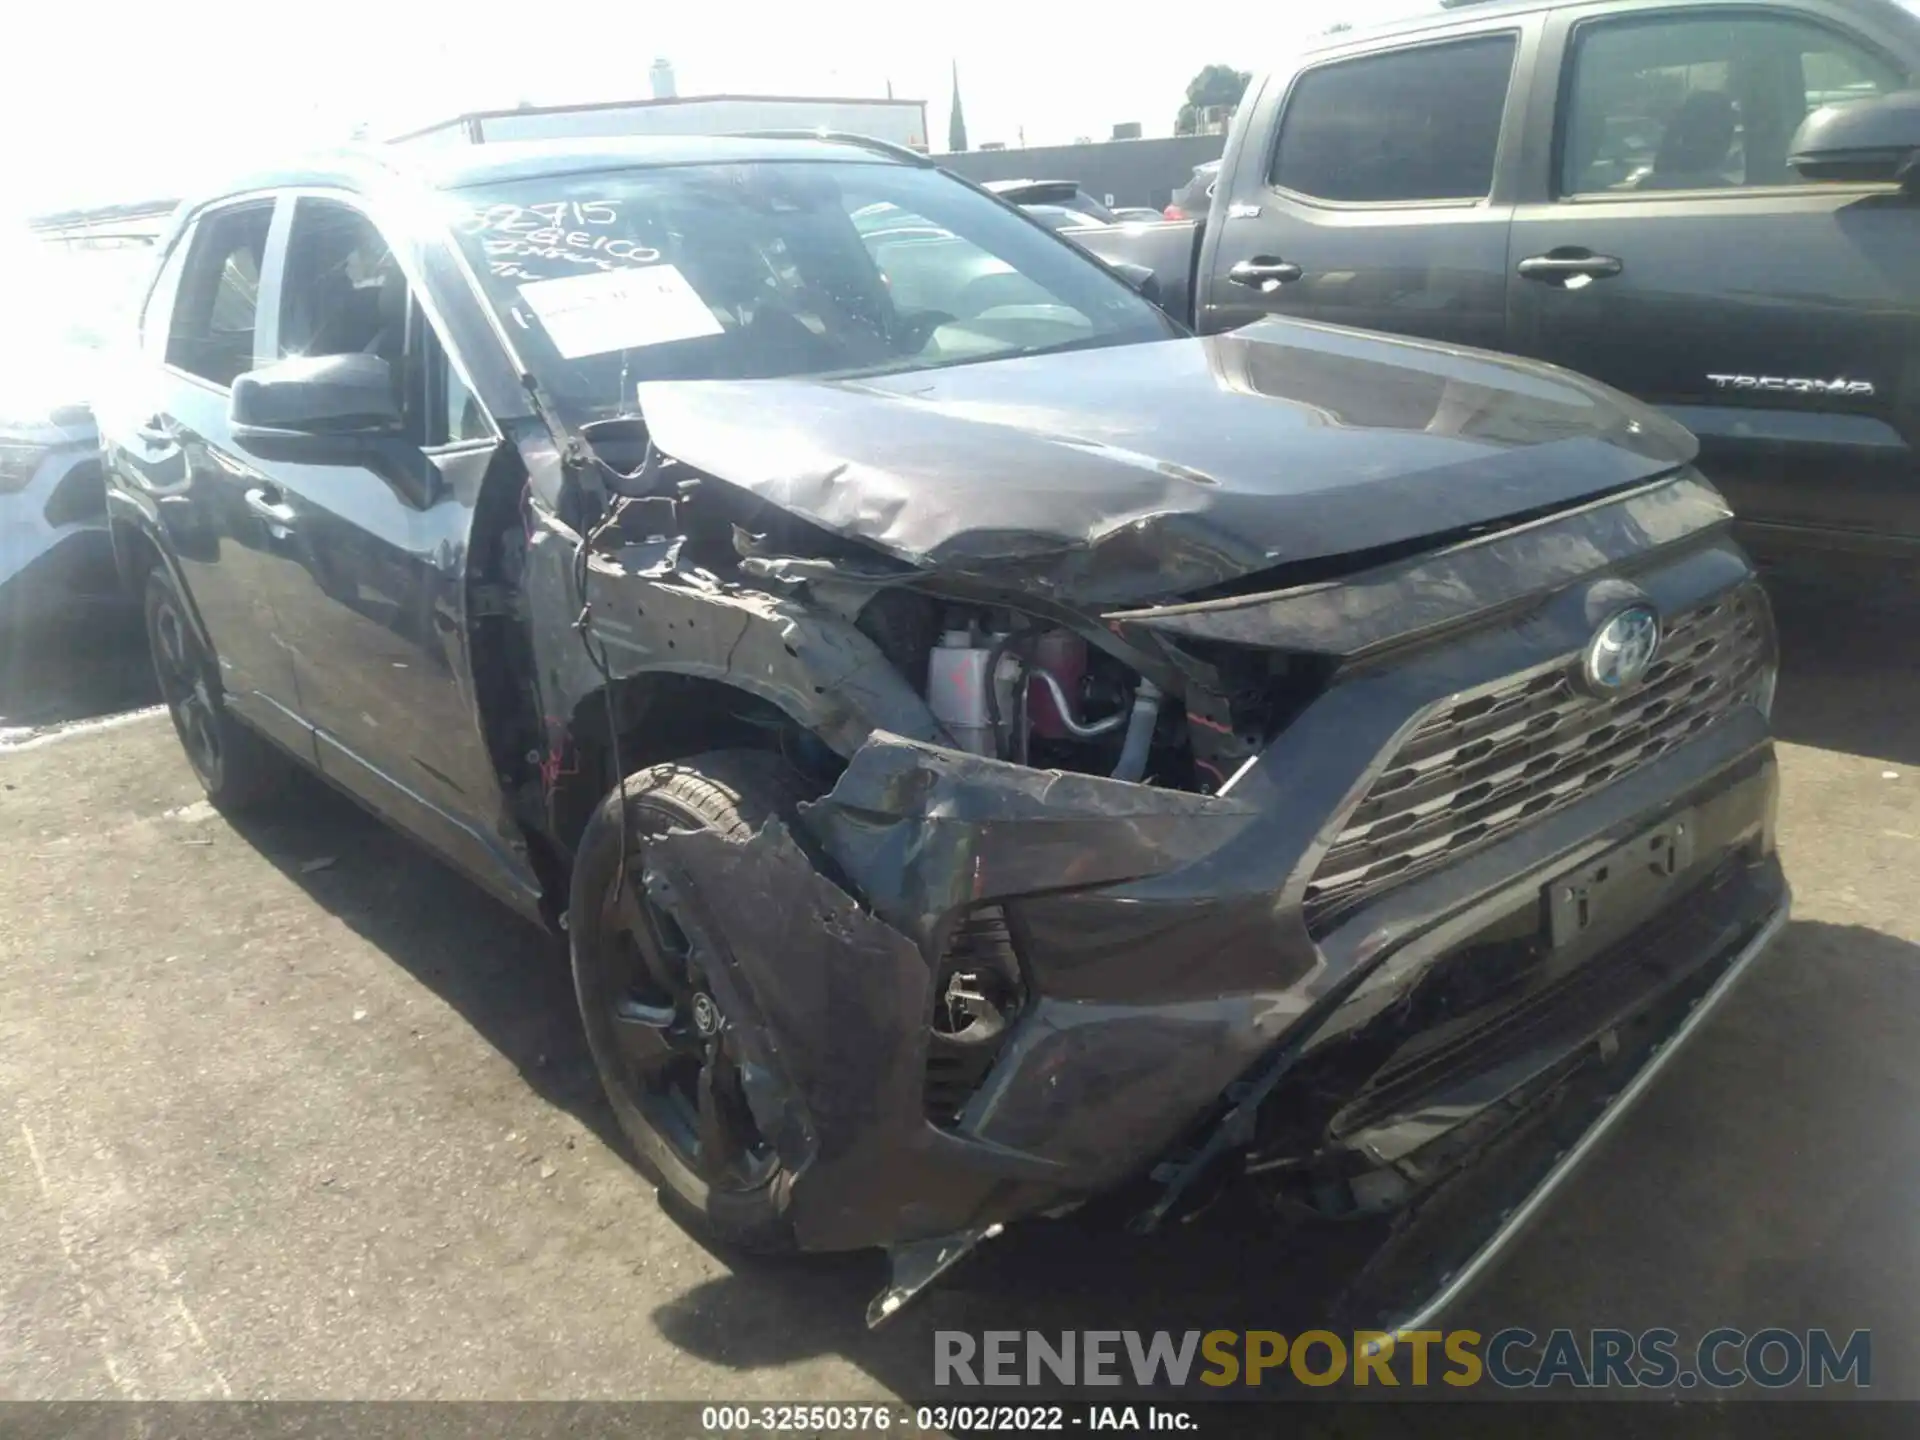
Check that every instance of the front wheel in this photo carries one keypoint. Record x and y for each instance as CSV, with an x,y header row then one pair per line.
x,y
666,1053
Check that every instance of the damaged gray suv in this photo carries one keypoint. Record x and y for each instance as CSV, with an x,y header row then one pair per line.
x,y
988,748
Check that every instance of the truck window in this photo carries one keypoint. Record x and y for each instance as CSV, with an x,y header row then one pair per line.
x,y
211,332
1703,102
1417,124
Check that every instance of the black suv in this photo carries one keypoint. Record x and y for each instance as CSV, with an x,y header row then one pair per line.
x,y
986,747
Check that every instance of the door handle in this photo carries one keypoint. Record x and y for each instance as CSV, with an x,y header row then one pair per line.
x,y
266,502
1264,272
155,430
1557,267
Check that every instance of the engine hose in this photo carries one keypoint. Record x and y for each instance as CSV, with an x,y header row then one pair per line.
x,y
992,697
1146,712
1104,726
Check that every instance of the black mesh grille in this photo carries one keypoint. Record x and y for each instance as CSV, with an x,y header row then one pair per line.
x,y
1485,763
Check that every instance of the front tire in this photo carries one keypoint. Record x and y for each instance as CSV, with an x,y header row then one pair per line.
x,y
663,1050
237,769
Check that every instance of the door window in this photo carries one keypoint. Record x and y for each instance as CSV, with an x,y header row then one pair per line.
x,y
1419,124
211,334
344,293
1704,102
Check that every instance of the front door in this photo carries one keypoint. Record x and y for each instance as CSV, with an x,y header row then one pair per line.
x,y
1667,248
376,613
1365,195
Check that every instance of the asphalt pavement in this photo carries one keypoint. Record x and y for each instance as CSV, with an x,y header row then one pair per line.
x,y
288,1110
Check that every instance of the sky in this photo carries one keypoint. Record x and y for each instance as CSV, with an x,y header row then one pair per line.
x,y
139,102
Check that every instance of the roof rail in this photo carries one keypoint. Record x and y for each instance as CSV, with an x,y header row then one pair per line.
x,y
842,137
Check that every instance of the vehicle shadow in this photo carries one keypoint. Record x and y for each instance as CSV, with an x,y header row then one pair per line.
x,y
57,673
508,979
1766,1180
1850,660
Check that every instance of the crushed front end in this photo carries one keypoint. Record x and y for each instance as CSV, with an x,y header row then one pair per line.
x,y
1337,947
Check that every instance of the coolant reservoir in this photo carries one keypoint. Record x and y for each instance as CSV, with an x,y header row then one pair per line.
x,y
957,691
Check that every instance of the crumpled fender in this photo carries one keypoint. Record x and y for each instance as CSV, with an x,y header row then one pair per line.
x,y
829,1006
803,960
924,830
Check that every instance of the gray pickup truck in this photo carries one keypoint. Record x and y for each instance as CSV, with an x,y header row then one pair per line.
x,y
1710,205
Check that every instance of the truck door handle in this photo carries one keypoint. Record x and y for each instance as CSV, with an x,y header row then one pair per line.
x,y
1557,267
266,502
1264,272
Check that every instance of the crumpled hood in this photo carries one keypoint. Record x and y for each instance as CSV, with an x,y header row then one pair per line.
x,y
1141,472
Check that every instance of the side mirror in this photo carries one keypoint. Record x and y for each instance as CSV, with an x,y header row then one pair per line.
x,y
316,409
1865,142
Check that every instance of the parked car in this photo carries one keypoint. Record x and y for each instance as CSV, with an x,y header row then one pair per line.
x,y
1152,760
1646,194
1061,194
56,561
1193,199
1059,217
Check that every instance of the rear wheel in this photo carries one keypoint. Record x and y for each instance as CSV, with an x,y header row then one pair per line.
x,y
666,1053
234,766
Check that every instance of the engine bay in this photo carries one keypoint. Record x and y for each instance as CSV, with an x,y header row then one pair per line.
x,y
1044,685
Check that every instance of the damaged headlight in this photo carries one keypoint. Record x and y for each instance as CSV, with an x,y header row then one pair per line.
x,y
19,460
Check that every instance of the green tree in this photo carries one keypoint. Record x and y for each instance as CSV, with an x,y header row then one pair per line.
x,y
956,121
1215,85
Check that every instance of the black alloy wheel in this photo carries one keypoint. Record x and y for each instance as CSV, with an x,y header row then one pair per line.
x,y
668,1055
679,1055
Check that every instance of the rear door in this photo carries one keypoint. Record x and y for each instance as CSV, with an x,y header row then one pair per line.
x,y
1364,192
211,501
375,606
1665,246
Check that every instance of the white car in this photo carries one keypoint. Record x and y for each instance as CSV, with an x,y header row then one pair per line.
x,y
55,555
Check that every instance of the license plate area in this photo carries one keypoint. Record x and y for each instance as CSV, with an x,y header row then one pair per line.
x,y
1628,881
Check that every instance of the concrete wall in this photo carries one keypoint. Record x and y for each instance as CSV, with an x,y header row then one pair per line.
x,y
903,122
1132,172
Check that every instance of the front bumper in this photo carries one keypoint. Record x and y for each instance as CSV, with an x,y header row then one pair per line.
x,y
1730,969
1175,989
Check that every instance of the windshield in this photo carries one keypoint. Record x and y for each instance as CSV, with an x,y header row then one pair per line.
x,y
757,270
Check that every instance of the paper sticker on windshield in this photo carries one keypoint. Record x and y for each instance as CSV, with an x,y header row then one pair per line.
x,y
618,310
